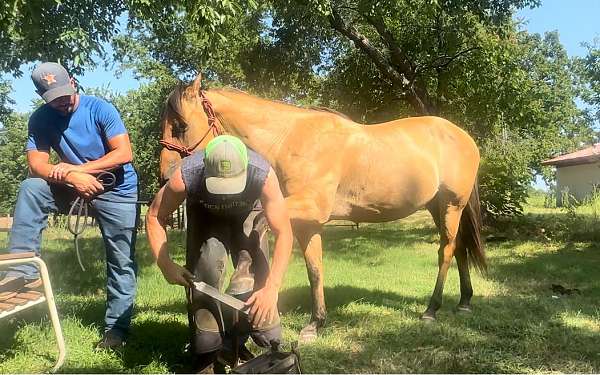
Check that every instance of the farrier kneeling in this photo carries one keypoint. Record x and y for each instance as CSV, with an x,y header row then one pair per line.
x,y
221,186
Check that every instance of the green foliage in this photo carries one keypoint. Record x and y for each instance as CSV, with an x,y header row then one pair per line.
x,y
5,101
505,175
13,168
141,110
70,32
74,32
588,68
175,44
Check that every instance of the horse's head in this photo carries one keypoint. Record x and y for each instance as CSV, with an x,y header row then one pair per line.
x,y
184,124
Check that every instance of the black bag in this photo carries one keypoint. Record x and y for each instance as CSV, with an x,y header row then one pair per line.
x,y
272,362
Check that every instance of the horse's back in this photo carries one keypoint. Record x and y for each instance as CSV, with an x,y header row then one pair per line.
x,y
395,168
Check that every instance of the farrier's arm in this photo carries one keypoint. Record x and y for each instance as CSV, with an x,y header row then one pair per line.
x,y
168,198
264,301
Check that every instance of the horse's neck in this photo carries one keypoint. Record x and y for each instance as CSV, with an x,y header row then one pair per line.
x,y
261,127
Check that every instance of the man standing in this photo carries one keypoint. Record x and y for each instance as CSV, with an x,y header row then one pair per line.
x,y
89,136
221,186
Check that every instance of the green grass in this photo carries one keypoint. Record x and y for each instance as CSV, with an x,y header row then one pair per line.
x,y
378,280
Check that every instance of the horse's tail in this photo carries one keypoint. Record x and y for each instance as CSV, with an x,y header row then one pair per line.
x,y
470,229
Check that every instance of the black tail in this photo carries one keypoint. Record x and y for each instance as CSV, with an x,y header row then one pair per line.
x,y
470,229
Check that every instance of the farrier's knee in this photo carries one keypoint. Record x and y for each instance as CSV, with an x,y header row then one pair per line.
x,y
211,264
208,337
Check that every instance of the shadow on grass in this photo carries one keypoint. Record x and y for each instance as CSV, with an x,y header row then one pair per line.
x,y
359,245
164,341
573,266
299,298
487,341
151,339
67,276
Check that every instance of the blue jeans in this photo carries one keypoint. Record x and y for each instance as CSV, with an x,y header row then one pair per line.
x,y
117,217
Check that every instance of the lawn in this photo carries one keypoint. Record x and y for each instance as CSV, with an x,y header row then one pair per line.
x,y
378,280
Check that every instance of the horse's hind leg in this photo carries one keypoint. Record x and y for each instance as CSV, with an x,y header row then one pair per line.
x,y
449,219
466,290
462,262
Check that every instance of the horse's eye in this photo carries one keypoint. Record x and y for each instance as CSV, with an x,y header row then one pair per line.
x,y
178,128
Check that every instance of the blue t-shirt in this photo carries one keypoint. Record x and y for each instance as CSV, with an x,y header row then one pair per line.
x,y
81,136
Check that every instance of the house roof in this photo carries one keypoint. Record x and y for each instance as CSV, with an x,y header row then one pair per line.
x,y
587,155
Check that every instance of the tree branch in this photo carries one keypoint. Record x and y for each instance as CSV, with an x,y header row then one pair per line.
x,y
361,42
449,60
398,57
398,68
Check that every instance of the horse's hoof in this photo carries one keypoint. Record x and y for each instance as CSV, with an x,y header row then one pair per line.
x,y
427,318
464,310
307,335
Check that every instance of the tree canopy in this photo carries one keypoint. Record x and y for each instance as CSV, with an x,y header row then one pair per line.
x,y
465,60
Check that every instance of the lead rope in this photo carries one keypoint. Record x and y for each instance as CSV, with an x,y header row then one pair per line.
x,y
107,179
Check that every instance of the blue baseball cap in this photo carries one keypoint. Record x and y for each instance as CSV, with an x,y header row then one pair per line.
x,y
52,81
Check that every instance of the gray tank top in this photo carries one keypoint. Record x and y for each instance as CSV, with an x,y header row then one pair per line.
x,y
192,171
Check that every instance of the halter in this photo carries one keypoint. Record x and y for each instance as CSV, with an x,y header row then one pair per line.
x,y
212,127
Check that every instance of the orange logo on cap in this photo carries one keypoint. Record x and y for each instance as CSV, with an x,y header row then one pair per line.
x,y
49,78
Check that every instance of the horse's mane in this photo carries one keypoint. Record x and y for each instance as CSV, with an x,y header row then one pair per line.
x,y
329,110
177,95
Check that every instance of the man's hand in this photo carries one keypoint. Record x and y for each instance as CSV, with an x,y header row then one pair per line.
x,y
60,171
85,184
264,306
175,274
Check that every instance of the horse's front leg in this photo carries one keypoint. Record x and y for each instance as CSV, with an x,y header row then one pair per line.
x,y
309,238
307,220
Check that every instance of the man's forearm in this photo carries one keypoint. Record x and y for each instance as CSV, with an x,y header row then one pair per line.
x,y
42,170
281,258
157,239
111,160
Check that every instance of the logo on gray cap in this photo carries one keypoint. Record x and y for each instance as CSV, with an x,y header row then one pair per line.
x,y
52,81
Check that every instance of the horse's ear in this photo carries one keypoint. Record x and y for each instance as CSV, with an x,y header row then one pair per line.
x,y
196,85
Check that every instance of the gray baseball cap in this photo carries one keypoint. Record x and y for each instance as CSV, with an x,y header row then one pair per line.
x,y
52,81
225,165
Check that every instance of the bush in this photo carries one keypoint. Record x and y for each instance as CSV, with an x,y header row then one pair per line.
x,y
505,176
13,168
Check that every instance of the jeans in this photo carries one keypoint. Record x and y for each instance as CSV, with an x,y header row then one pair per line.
x,y
209,241
117,217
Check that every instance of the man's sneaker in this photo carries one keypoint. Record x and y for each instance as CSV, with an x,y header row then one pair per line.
x,y
110,340
9,286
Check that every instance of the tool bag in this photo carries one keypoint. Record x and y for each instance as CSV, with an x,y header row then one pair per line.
x,y
274,361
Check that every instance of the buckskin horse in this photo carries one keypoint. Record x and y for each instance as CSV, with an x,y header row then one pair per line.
x,y
330,167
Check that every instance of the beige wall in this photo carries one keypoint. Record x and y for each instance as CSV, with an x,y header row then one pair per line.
x,y
578,179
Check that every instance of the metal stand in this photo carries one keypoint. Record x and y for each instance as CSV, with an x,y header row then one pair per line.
x,y
30,299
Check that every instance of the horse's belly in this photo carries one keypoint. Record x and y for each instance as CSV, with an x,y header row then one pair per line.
x,y
382,203
371,213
